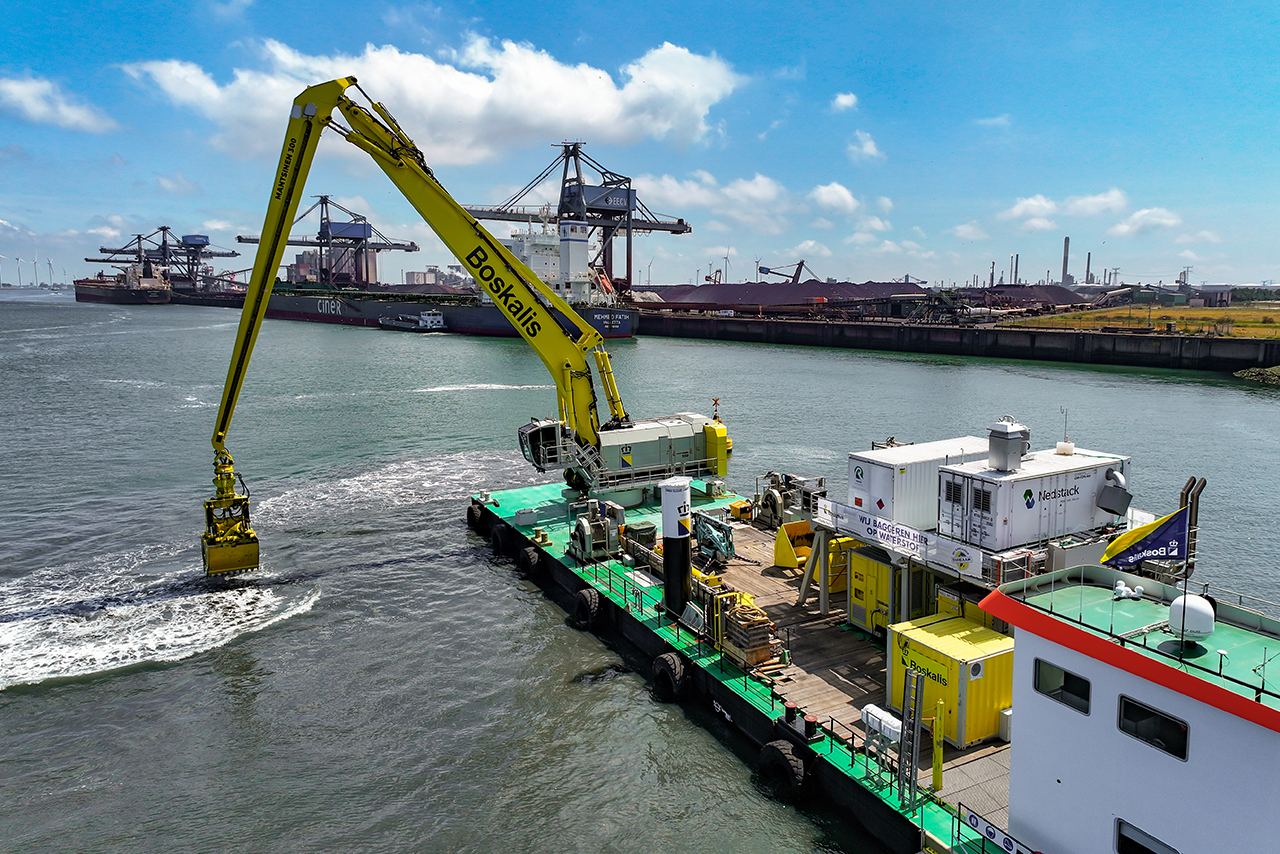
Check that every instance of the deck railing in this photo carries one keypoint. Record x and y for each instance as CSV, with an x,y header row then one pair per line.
x,y
1259,689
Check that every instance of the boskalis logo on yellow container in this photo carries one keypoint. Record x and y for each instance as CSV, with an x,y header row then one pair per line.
x,y
919,663
626,456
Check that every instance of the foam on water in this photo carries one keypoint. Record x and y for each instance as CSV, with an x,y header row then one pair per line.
x,y
450,477
478,387
152,605
107,613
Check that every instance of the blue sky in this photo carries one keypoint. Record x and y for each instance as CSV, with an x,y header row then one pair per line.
x,y
873,140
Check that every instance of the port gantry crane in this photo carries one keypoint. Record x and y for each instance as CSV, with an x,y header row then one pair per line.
x,y
619,457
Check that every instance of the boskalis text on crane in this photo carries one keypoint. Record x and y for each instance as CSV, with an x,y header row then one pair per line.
x,y
619,457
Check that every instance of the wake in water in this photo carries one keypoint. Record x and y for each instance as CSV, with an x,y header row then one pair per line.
x,y
477,387
450,477
152,605
108,612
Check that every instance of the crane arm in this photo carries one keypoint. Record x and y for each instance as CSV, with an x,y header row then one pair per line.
x,y
559,336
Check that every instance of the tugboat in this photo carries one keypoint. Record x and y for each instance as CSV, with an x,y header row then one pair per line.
x,y
427,321
141,283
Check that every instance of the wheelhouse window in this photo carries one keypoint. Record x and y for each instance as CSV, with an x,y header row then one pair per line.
x,y
1062,685
1153,726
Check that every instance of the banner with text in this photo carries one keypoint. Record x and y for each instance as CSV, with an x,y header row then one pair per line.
x,y
869,528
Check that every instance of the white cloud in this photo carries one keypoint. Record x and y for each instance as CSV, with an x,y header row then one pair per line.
x,y
863,147
885,203
229,8
1035,206
773,125
467,106
1039,223
1204,236
1189,255
791,72
834,197
822,222
844,101
810,248
669,192
861,238
874,223
1145,219
759,203
903,247
918,232
104,231
915,250
969,231
1001,121
721,251
217,225
176,183
1110,201
42,101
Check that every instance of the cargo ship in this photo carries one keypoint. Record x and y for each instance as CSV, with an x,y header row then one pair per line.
x,y
464,315
557,256
142,283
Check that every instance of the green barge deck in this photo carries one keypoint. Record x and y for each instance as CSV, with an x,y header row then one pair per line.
x,y
833,669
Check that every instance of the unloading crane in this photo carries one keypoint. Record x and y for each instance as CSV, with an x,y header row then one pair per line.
x,y
619,456
791,272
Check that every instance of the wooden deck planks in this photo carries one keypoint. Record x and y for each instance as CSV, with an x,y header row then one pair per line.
x,y
834,673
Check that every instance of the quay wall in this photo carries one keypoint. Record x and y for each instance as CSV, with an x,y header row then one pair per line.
x,y
1186,352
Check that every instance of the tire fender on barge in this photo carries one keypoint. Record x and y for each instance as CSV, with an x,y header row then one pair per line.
x,y
586,609
668,677
500,536
529,561
782,769
476,520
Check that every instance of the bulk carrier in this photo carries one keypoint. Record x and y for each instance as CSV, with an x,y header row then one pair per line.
x,y
466,316
558,256
136,284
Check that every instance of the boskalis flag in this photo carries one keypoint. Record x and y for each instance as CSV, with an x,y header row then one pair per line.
x,y
1163,539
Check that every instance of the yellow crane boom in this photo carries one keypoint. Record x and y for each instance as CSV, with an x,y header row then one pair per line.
x,y
559,336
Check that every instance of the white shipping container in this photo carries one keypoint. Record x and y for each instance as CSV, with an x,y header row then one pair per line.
x,y
1051,495
901,483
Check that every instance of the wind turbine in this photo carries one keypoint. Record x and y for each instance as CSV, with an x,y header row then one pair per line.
x,y
3,258
17,263
49,263
35,272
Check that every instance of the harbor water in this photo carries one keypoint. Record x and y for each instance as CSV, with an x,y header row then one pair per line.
x,y
384,682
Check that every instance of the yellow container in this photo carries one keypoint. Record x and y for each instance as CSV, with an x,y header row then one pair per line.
x,y
966,665
869,591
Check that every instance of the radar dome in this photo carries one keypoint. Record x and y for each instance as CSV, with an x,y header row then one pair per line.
x,y
1191,617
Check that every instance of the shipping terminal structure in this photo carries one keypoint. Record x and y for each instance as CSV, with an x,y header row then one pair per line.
x,y
939,653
